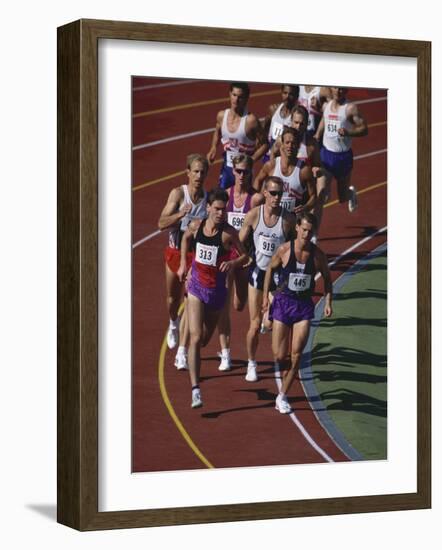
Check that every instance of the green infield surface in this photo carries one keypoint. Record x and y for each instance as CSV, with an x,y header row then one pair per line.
x,y
345,373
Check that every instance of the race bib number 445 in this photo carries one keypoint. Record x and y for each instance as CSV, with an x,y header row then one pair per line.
x,y
299,282
206,254
267,245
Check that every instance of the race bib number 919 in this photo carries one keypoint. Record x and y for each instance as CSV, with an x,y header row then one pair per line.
x,y
206,254
267,245
299,282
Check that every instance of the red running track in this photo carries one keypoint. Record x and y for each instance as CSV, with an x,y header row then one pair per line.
x,y
238,425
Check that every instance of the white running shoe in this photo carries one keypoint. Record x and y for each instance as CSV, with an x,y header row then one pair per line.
x,y
226,362
172,334
196,399
251,375
282,405
181,362
353,201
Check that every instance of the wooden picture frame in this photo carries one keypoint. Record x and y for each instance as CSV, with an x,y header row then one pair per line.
x,y
78,274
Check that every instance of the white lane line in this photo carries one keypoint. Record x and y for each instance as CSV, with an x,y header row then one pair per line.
x,y
353,247
379,152
155,233
173,138
208,130
277,373
151,236
163,85
372,100
299,425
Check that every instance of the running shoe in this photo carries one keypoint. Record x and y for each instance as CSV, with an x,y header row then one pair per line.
x,y
226,362
196,399
353,201
172,334
282,405
181,362
251,375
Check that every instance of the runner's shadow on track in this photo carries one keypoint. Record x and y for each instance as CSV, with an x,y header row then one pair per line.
x,y
239,368
361,231
347,400
353,321
369,293
262,394
346,357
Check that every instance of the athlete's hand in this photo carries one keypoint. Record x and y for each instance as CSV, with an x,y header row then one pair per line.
x,y
265,305
225,267
343,132
316,171
211,155
299,209
181,274
328,311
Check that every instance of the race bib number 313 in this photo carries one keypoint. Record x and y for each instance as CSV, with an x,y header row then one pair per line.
x,y
206,254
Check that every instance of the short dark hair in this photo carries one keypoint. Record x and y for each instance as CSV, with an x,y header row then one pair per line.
x,y
242,86
295,89
302,111
309,218
217,194
292,131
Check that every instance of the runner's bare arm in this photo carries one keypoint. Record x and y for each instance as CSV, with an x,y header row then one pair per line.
x,y
275,262
360,127
231,236
289,224
185,247
322,266
172,213
306,177
258,134
320,130
211,155
248,224
263,174
257,200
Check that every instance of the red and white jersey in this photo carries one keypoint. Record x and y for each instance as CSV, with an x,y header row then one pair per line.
x,y
333,121
306,99
199,210
277,124
237,142
293,189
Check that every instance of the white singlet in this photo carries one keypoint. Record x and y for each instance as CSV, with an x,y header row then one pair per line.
x,y
293,189
305,99
237,142
267,239
277,124
332,122
199,210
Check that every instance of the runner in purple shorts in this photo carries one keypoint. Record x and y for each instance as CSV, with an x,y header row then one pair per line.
x,y
298,261
212,240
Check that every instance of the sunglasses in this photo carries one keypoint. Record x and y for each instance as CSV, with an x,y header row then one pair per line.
x,y
276,193
242,171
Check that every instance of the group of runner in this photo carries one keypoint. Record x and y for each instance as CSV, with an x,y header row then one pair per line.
x,y
255,241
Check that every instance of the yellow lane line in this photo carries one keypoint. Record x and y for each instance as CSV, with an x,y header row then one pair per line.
x,y
179,425
182,172
375,124
198,104
161,367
